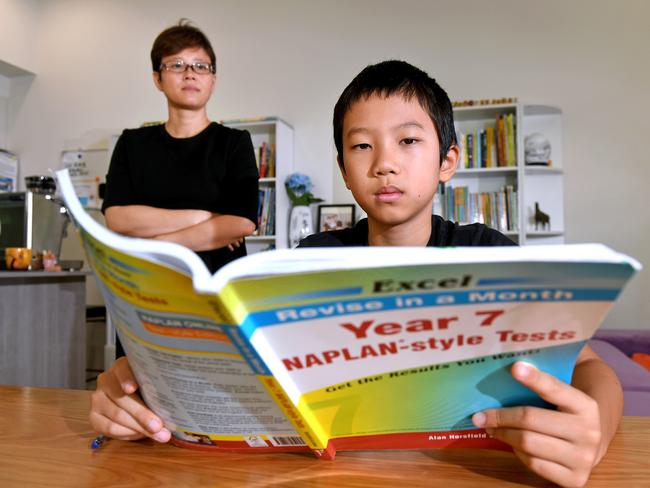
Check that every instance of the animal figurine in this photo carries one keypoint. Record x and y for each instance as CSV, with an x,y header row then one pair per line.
x,y
541,219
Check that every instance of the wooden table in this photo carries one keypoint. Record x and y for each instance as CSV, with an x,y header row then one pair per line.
x,y
45,438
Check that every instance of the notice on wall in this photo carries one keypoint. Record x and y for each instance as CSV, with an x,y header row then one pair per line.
x,y
8,171
86,184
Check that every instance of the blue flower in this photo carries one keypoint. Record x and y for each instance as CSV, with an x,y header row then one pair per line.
x,y
299,188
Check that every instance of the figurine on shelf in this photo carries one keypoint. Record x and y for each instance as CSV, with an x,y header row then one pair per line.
x,y
537,150
541,219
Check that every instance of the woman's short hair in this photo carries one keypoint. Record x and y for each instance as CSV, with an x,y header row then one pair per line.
x,y
178,37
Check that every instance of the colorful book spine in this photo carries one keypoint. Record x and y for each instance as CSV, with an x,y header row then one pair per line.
x,y
462,140
262,166
510,141
483,148
490,149
449,203
495,209
501,138
271,162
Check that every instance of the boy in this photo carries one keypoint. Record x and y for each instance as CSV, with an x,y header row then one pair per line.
x,y
394,133
395,138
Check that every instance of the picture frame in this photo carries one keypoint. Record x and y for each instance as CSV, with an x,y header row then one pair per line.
x,y
335,217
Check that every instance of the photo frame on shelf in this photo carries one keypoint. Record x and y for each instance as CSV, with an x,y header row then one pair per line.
x,y
335,217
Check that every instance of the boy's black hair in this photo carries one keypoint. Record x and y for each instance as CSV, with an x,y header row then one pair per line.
x,y
178,37
398,77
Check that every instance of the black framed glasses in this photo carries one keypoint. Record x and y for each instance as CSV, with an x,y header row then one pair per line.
x,y
180,66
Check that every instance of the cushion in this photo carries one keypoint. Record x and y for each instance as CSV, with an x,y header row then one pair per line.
x,y
636,403
642,359
627,340
632,375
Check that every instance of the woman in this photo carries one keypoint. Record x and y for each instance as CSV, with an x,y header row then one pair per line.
x,y
189,181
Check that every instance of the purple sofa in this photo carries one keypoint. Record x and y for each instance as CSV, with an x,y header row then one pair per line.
x,y
615,347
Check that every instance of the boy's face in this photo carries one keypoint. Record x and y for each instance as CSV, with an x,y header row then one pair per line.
x,y
391,159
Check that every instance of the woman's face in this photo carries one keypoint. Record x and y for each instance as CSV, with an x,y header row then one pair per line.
x,y
187,90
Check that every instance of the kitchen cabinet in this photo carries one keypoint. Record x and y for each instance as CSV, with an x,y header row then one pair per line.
x,y
43,328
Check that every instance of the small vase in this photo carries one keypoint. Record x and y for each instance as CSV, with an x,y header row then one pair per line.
x,y
300,224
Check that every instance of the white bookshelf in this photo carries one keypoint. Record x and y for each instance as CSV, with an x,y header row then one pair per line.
x,y
542,184
275,132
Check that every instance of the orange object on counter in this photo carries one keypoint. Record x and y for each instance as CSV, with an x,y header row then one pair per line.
x,y
18,257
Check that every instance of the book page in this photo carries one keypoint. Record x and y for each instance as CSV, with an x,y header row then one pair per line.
x,y
179,347
179,342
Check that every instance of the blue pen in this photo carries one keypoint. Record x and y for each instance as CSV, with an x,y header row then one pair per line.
x,y
97,442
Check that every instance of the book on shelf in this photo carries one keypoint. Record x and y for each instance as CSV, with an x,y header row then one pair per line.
x,y
261,160
470,151
492,146
260,209
439,200
501,141
336,349
266,211
270,162
511,150
497,209
265,158
512,208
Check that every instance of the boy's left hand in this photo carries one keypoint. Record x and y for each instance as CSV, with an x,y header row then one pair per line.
x,y
560,445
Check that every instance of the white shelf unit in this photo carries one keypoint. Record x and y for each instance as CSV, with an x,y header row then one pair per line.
x,y
542,184
276,133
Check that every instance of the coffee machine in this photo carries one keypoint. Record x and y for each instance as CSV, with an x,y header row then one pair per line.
x,y
34,220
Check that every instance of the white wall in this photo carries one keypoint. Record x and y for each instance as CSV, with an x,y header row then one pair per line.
x,y
19,41
18,51
292,58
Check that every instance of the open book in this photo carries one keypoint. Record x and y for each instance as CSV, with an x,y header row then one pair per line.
x,y
347,348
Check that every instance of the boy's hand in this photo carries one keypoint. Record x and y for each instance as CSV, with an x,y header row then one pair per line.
x,y
561,446
117,411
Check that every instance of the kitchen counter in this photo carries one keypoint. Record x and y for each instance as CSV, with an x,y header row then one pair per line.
x,y
42,274
43,328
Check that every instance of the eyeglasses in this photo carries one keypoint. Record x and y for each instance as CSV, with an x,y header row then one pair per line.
x,y
180,66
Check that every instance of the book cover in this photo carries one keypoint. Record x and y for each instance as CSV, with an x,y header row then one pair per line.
x,y
345,348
